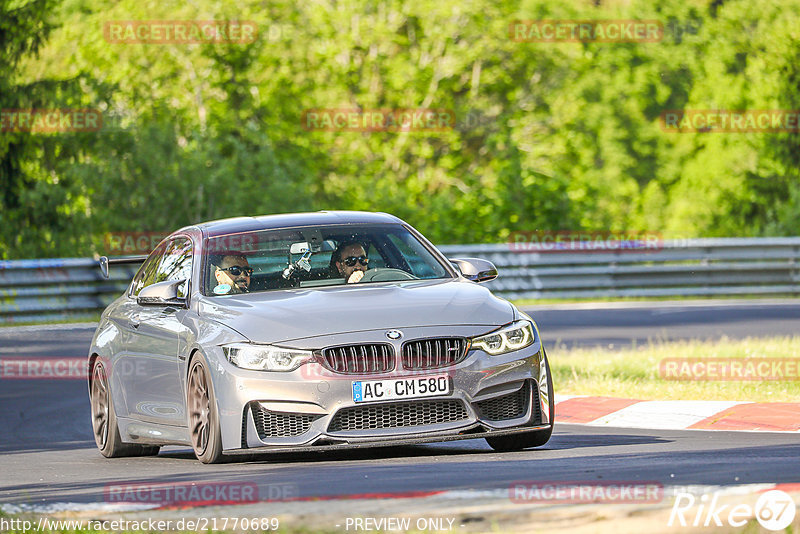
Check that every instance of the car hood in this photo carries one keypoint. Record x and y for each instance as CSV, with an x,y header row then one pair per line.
x,y
281,316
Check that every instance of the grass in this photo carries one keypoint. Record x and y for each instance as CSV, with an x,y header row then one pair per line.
x,y
88,318
634,372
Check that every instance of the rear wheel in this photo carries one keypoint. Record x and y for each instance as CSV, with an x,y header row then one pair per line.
x,y
202,412
104,420
534,438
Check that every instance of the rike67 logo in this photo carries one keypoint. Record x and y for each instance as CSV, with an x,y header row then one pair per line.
x,y
774,510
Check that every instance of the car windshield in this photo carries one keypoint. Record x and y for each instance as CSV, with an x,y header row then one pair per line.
x,y
315,256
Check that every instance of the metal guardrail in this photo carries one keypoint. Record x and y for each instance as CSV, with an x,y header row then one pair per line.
x,y
691,267
56,289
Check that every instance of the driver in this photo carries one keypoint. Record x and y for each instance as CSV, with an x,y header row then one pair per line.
x,y
350,261
232,271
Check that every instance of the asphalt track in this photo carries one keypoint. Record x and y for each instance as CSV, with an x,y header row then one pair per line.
x,y
47,454
640,322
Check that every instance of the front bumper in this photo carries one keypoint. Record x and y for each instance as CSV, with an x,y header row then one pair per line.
x,y
472,433
313,408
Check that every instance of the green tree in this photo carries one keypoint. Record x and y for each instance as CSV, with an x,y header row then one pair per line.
x,y
546,135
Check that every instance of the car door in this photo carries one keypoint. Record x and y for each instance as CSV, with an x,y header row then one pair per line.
x,y
154,392
125,317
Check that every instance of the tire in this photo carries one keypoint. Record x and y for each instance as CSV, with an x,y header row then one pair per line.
x,y
201,411
535,438
104,420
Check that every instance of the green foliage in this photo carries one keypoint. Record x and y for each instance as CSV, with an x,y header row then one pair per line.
x,y
33,200
547,135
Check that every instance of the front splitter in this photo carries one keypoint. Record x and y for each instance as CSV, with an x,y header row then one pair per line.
x,y
362,443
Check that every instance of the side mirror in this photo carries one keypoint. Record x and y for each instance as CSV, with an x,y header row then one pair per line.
x,y
162,294
475,269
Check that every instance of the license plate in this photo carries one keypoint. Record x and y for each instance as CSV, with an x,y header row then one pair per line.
x,y
400,388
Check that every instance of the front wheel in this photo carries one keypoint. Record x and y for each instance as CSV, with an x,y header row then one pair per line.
x,y
202,412
534,438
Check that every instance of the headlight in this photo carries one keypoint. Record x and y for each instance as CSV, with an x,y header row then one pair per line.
x,y
265,357
513,337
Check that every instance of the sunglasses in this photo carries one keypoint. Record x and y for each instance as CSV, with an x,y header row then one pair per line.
x,y
351,261
236,270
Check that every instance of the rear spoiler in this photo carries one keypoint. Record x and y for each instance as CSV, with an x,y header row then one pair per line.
x,y
105,261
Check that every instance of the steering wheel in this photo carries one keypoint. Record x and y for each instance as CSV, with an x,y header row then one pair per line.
x,y
386,274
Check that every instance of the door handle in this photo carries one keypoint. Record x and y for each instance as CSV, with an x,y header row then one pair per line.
x,y
135,320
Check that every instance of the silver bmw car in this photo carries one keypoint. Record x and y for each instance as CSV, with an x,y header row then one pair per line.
x,y
313,331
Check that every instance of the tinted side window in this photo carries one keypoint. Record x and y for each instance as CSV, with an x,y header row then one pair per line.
x,y
176,263
147,273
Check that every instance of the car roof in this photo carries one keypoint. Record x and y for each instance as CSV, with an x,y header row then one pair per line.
x,y
288,220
